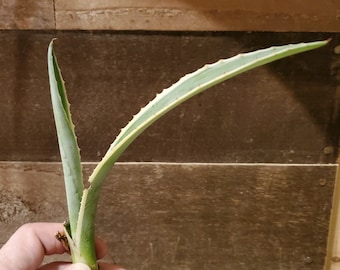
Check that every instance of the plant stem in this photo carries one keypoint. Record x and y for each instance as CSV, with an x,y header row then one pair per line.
x,y
83,248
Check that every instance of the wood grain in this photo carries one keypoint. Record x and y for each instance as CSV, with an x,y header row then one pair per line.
x,y
284,112
199,15
165,15
27,14
190,216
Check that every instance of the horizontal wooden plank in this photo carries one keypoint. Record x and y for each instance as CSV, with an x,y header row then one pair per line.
x,y
280,113
189,216
199,15
194,15
27,14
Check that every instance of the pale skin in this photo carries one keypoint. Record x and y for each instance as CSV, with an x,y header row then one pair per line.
x,y
27,247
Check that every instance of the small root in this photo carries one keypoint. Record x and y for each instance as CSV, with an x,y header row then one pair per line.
x,y
62,238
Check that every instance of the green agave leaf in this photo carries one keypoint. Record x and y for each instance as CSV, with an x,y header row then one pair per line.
x,y
84,237
187,87
68,146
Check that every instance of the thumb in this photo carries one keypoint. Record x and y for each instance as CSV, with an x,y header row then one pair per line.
x,y
78,266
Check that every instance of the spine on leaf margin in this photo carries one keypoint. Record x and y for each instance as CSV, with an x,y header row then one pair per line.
x,y
81,202
187,87
80,232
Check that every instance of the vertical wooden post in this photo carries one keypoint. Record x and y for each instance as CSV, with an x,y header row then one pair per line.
x,y
333,246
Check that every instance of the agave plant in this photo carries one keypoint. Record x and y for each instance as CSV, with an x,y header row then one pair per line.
x,y
82,197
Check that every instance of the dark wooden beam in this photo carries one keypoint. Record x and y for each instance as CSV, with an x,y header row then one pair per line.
x,y
284,112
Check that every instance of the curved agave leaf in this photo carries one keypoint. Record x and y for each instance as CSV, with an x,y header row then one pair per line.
x,y
68,146
187,87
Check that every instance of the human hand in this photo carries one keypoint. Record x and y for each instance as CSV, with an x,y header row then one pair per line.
x,y
26,248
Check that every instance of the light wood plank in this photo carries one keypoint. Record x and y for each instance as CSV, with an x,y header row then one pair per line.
x,y
27,14
190,216
217,15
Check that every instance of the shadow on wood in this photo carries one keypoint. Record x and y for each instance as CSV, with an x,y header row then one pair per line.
x,y
279,113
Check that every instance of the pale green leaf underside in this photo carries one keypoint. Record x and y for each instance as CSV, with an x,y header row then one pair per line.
x,y
68,146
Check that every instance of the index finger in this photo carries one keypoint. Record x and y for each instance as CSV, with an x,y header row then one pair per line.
x,y
29,244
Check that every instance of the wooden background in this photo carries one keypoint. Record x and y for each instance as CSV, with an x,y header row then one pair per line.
x,y
284,112
183,15
190,216
240,177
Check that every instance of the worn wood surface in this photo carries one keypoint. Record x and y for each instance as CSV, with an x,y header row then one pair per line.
x,y
284,112
246,15
27,14
333,245
197,15
189,216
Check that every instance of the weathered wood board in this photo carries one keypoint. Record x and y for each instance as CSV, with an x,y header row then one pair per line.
x,y
165,15
189,216
216,15
284,112
197,15
27,14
